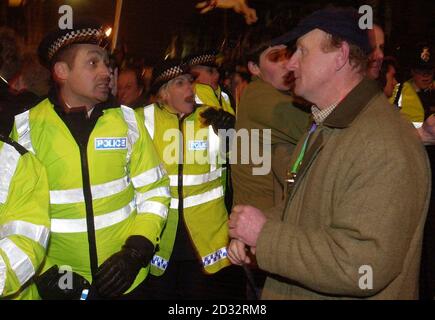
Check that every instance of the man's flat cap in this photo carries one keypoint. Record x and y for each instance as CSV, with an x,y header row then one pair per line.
x,y
341,22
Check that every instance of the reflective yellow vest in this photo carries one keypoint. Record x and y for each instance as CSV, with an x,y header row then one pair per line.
x,y
24,221
409,102
204,94
129,186
199,175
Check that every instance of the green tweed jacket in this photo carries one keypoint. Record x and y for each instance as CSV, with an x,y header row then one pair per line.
x,y
353,222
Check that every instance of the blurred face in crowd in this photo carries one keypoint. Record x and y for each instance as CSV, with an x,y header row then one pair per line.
x,y
272,67
206,75
237,82
178,94
390,81
313,68
85,81
129,90
377,41
423,79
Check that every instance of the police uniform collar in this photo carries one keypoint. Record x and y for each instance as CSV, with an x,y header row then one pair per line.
x,y
54,98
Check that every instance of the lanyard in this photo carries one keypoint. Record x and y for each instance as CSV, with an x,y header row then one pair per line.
x,y
297,164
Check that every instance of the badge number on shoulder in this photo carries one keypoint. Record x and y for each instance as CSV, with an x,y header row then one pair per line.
x,y
196,145
111,143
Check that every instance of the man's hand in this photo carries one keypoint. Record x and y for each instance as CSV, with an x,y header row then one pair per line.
x,y
246,223
427,130
237,253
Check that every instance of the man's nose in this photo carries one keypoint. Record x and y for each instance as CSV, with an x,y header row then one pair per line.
x,y
291,64
105,71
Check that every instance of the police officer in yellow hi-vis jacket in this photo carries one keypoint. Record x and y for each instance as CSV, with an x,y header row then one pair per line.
x,y
24,220
203,67
109,192
194,242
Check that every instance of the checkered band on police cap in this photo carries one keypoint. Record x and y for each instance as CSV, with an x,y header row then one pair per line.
x,y
87,35
201,59
84,31
169,74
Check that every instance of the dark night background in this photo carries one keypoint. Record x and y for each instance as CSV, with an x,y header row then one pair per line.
x,y
148,28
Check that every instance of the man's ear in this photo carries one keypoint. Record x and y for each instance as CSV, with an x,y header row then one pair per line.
x,y
253,68
61,71
342,57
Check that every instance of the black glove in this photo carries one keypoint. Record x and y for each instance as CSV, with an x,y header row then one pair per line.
x,y
51,285
218,119
118,273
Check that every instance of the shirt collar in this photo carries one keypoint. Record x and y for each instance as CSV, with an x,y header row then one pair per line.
x,y
319,115
353,104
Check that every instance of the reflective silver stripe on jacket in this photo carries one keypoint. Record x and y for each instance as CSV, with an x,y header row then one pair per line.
x,y
149,176
101,221
20,263
98,191
154,207
133,130
22,124
198,199
225,96
149,119
196,179
213,151
198,100
9,158
35,232
215,257
2,275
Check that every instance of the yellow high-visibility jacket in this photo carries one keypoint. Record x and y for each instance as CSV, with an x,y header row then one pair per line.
x,y
204,94
24,220
409,102
197,193
117,179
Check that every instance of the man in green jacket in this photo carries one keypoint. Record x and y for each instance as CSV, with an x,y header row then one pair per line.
x,y
24,220
353,221
266,105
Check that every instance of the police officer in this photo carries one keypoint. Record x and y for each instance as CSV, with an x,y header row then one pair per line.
x,y
416,97
203,67
194,242
24,220
108,190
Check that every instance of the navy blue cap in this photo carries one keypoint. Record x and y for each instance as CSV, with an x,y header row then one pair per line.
x,y
341,22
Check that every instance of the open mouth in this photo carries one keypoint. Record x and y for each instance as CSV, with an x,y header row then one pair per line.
x,y
190,99
289,78
103,87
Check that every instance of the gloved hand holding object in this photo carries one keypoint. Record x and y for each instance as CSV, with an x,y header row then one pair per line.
x,y
218,119
118,272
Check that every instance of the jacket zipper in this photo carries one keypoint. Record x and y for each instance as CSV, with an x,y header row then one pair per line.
x,y
89,209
